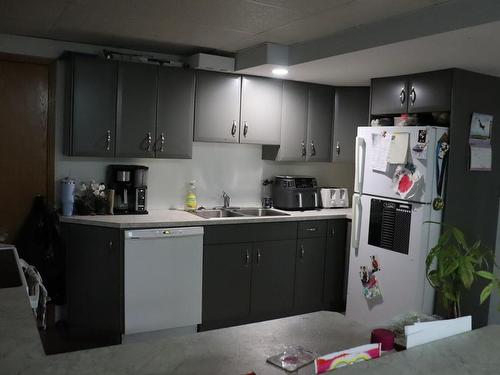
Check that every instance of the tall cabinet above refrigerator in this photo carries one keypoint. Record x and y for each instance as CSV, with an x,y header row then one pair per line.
x,y
399,178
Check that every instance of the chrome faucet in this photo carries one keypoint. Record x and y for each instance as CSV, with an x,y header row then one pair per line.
x,y
227,199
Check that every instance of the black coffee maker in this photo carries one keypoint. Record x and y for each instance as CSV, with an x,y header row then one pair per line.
x,y
130,185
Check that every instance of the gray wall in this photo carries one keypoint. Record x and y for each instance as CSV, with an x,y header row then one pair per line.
x,y
471,196
494,316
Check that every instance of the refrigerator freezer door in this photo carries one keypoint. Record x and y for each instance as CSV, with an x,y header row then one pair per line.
x,y
401,276
378,183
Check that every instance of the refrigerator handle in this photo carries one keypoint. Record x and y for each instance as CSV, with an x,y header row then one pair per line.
x,y
359,164
356,221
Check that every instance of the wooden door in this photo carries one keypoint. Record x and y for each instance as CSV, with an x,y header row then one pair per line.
x,y
23,141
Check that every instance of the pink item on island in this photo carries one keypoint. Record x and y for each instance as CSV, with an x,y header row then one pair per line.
x,y
384,337
346,357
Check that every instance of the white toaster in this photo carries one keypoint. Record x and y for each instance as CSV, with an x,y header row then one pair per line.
x,y
334,197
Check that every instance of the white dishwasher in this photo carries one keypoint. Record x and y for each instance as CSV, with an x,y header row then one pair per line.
x,y
163,278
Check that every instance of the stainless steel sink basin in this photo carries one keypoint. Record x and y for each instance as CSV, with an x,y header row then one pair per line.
x,y
238,212
216,214
260,212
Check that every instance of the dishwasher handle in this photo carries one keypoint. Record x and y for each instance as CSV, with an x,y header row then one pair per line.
x,y
159,233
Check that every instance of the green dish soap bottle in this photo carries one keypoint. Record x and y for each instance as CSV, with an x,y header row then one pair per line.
x,y
190,204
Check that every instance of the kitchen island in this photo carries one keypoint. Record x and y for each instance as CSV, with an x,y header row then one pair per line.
x,y
236,350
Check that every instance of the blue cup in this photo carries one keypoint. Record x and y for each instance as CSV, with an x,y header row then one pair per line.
x,y
67,196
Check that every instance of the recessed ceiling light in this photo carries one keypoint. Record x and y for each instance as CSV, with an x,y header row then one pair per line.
x,y
280,71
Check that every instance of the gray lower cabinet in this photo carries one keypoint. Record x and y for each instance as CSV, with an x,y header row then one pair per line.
x,y
335,265
136,109
351,110
217,107
91,106
273,272
226,281
319,123
94,281
175,113
261,110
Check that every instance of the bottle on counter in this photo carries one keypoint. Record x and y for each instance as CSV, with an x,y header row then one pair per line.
x,y
190,204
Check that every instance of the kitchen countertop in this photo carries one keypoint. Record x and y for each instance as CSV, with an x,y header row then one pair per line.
x,y
176,218
237,350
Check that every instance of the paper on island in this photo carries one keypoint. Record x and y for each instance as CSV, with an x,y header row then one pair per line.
x,y
398,150
422,333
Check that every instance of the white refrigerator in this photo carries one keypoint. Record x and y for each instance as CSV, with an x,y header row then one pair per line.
x,y
399,176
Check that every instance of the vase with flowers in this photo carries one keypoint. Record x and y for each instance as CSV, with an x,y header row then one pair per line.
x,y
91,199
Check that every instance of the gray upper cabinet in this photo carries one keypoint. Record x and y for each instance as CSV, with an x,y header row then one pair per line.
x,y
351,110
430,92
417,93
293,125
175,113
319,123
261,110
389,95
91,110
136,109
217,107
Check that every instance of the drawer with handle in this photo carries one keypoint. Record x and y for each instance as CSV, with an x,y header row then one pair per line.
x,y
313,228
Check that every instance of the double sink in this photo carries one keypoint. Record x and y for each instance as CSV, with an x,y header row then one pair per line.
x,y
238,212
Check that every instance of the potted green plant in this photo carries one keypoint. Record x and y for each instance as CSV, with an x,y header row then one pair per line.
x,y
452,266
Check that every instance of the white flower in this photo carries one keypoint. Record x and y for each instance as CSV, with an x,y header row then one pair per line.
x,y
96,193
83,187
102,194
102,187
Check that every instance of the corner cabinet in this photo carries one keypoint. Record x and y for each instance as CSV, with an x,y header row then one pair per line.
x,y
417,93
306,124
351,110
90,106
319,123
217,107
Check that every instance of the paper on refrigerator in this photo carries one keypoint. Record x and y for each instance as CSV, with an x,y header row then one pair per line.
x,y
398,148
381,146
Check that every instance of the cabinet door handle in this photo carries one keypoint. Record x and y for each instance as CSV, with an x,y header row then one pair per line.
x,y
247,258
110,245
245,129
233,128
258,256
333,232
413,95
108,140
312,229
162,142
302,251
402,96
337,148
303,148
149,140
313,149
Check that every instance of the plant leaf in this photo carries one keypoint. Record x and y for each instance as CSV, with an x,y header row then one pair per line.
x,y
459,237
451,267
466,272
486,292
486,275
